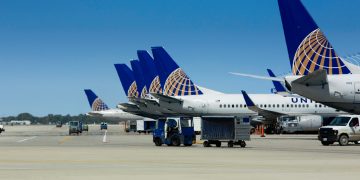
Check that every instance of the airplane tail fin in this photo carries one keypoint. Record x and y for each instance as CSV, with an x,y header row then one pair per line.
x,y
95,102
151,76
139,77
127,80
173,79
278,86
307,46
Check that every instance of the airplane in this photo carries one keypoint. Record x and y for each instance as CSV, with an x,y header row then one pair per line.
x,y
318,72
325,77
182,96
100,109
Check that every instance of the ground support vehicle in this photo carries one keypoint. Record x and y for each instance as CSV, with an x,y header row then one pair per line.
x,y
59,124
145,126
130,126
74,127
174,132
2,129
85,127
233,130
103,125
342,129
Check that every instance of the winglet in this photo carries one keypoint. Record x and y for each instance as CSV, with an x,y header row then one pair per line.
x,y
248,101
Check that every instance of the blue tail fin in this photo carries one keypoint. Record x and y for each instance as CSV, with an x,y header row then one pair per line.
x,y
151,76
95,103
139,77
278,86
127,80
173,79
307,46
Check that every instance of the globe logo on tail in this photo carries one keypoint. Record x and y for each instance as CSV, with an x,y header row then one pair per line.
x,y
155,86
179,84
99,105
133,92
315,52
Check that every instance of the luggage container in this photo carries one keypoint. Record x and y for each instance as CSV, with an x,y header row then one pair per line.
x,y
233,130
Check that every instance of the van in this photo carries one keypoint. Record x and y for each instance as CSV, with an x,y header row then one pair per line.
x,y
342,129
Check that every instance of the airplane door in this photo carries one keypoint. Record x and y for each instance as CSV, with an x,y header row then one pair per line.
x,y
357,91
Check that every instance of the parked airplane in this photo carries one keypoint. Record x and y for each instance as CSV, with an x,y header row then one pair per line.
x,y
181,95
100,109
327,78
318,72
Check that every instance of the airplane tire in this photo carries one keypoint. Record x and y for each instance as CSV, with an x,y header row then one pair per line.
x,y
230,144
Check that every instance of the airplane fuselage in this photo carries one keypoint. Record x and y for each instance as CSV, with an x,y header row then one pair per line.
x,y
339,91
234,105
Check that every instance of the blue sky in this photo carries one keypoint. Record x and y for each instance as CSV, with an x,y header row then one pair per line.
x,y
51,50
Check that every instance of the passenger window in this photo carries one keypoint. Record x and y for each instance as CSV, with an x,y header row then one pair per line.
x,y
287,105
228,105
319,105
316,105
307,105
220,106
245,106
354,122
282,105
295,105
278,105
265,106
291,105
237,105
261,105
233,106
240,105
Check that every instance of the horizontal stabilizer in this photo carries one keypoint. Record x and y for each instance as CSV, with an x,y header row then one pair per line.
x,y
258,77
167,99
316,78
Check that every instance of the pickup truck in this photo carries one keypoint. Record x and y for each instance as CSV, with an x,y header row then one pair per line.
x,y
1,128
342,129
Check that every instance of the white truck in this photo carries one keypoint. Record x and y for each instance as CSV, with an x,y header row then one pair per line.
x,y
342,129
303,123
1,128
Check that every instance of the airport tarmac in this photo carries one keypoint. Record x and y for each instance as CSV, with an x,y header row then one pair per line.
x,y
47,152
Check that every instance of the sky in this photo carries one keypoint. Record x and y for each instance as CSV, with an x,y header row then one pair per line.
x,y
51,50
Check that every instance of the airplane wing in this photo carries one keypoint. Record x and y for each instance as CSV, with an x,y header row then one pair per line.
x,y
165,98
267,114
94,113
316,78
259,77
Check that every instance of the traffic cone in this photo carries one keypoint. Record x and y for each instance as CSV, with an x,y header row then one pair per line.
x,y
262,131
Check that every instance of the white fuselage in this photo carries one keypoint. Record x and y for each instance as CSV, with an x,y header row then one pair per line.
x,y
115,114
340,91
234,105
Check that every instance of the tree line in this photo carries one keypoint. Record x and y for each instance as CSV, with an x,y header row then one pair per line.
x,y
54,118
